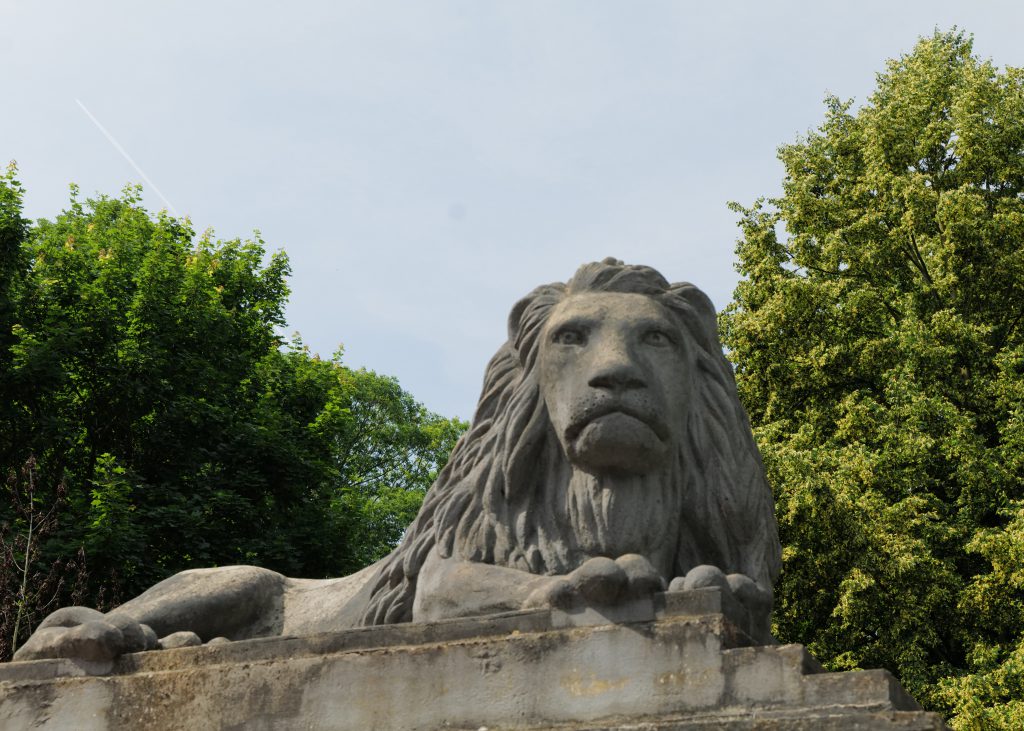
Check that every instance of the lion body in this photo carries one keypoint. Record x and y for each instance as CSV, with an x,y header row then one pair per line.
x,y
656,474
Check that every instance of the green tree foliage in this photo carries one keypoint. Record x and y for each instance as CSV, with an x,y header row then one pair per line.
x,y
13,231
144,376
877,331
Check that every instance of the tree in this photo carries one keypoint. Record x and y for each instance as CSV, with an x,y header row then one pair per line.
x,y
13,231
147,384
877,335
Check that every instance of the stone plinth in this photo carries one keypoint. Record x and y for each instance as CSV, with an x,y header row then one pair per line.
x,y
677,663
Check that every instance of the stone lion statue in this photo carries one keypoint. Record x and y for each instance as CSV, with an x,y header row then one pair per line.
x,y
609,458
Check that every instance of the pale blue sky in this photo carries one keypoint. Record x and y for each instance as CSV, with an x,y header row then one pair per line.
x,y
424,164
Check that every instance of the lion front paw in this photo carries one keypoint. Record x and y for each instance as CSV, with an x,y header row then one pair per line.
x,y
601,581
86,634
755,599
643,579
598,580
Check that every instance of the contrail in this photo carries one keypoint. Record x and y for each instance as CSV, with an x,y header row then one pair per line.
x,y
127,157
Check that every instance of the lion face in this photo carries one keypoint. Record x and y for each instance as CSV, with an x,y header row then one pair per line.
x,y
614,377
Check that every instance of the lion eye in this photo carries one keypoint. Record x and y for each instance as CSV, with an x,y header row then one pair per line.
x,y
569,336
657,338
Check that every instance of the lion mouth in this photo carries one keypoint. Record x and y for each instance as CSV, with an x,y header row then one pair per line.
x,y
599,412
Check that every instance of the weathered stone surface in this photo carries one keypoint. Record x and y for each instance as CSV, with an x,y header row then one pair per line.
x,y
661,668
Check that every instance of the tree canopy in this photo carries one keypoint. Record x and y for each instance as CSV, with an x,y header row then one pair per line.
x,y
163,424
877,336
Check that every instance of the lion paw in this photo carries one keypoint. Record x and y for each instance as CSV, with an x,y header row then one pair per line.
x,y
643,579
752,597
557,593
741,586
599,580
86,634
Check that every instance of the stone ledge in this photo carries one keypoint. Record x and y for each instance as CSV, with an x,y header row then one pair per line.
x,y
766,721
717,611
667,664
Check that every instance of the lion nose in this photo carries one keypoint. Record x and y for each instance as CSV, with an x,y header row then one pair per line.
x,y
617,376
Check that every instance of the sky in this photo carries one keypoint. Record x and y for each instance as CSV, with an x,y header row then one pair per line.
x,y
427,163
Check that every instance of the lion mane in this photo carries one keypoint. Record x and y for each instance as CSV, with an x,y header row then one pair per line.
x,y
502,497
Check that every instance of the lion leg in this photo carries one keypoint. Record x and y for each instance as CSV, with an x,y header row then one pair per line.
x,y
233,601
452,587
236,602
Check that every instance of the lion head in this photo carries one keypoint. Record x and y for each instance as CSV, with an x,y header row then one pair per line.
x,y
609,423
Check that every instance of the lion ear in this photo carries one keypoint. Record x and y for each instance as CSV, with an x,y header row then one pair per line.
x,y
539,300
703,308
695,297
516,315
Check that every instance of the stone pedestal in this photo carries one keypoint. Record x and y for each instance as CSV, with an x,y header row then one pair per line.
x,y
677,662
